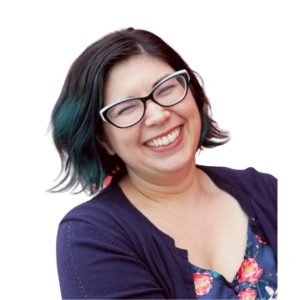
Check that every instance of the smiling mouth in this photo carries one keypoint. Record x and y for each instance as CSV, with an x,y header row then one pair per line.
x,y
165,140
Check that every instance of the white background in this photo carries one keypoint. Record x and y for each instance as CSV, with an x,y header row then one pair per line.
x,y
248,55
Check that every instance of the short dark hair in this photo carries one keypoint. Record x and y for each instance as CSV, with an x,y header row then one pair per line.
x,y
75,121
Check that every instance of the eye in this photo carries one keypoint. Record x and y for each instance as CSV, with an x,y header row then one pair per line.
x,y
125,108
166,88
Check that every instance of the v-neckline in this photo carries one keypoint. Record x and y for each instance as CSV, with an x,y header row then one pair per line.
x,y
219,275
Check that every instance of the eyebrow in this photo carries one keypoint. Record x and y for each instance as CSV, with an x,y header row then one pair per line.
x,y
153,85
160,79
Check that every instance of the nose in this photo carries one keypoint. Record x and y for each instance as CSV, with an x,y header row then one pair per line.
x,y
155,114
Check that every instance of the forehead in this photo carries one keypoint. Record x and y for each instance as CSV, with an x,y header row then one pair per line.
x,y
134,77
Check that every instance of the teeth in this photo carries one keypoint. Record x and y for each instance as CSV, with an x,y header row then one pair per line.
x,y
165,140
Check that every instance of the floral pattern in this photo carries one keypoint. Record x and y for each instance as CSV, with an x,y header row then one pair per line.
x,y
202,283
256,277
261,239
249,271
247,294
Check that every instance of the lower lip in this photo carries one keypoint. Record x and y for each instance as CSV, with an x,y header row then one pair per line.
x,y
171,146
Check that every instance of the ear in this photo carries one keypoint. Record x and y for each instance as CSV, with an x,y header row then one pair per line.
x,y
108,148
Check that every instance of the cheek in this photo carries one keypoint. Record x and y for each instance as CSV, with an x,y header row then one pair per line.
x,y
110,137
193,114
190,108
119,139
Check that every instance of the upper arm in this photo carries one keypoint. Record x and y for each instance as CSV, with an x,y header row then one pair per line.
x,y
92,264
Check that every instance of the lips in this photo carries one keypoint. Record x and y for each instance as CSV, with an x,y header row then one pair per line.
x,y
165,140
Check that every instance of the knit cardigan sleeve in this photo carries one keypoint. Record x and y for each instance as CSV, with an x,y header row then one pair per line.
x,y
93,264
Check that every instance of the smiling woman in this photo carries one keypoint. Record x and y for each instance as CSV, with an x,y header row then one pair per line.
x,y
133,111
76,121
170,114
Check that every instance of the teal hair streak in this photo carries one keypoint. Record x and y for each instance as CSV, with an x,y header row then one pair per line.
x,y
74,133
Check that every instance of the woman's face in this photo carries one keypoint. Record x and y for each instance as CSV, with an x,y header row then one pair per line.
x,y
166,139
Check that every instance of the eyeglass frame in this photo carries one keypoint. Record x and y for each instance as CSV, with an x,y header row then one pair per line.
x,y
144,99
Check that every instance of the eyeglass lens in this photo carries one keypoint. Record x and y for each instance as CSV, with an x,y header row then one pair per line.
x,y
129,112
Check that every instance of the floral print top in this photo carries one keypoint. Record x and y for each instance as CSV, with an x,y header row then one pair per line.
x,y
255,279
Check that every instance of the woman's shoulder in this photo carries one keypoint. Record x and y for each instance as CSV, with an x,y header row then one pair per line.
x,y
248,176
108,206
247,185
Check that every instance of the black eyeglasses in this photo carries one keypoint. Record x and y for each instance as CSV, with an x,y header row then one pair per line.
x,y
127,112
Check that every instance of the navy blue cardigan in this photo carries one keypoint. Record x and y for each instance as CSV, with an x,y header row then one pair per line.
x,y
106,249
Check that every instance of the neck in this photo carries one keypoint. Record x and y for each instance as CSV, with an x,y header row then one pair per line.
x,y
168,190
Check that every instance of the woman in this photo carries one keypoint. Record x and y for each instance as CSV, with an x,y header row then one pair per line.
x,y
128,123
